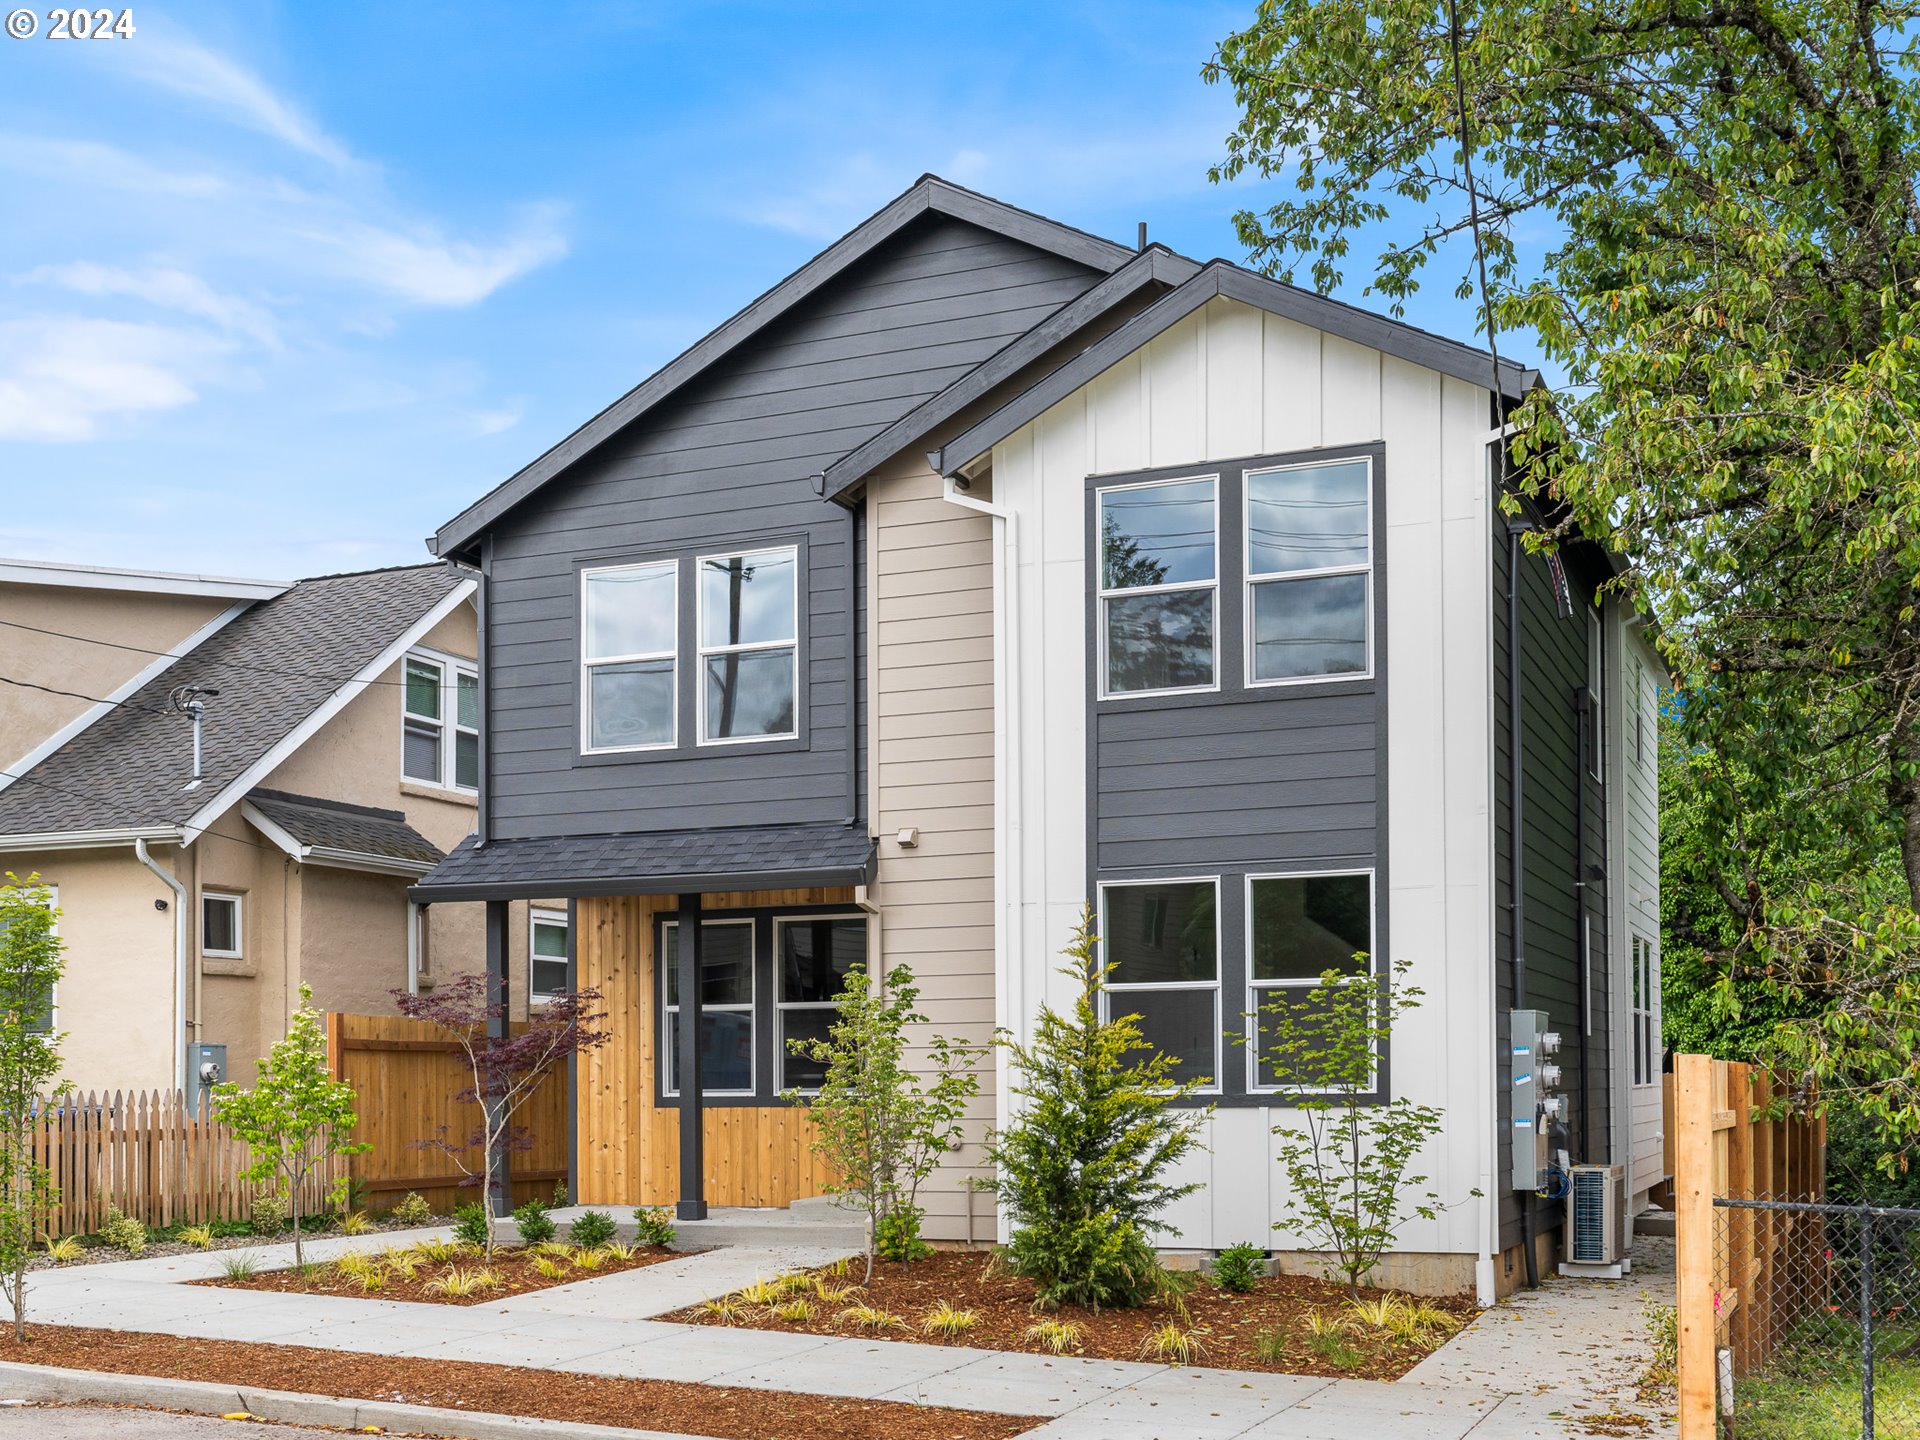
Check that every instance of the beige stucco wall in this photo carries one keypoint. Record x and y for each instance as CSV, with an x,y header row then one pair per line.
x,y
146,622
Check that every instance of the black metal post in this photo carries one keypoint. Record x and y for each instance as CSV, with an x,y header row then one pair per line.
x,y
1866,1324
693,1202
501,1198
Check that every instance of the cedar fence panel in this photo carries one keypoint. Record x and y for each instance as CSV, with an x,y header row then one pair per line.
x,y
406,1074
146,1154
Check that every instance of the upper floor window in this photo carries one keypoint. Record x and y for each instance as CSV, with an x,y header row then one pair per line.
x,y
1159,586
749,646
221,935
628,656
440,726
546,954
1309,557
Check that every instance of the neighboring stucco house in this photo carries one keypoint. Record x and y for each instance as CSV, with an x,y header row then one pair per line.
x,y
339,746
983,569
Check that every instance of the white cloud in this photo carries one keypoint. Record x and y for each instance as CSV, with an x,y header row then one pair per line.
x,y
60,375
504,417
188,69
93,165
164,287
428,269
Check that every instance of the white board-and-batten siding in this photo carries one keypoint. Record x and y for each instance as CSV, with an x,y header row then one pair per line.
x,y
1227,382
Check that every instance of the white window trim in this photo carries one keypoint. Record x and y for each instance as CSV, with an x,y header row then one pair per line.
x,y
1103,594
451,668
537,917
781,1006
1649,962
588,666
239,924
669,1014
1254,987
1253,581
702,650
1218,1085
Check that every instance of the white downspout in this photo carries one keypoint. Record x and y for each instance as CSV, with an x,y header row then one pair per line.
x,y
179,962
1010,997
413,947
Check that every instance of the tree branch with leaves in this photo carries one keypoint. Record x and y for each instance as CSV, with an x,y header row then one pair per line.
x,y
32,959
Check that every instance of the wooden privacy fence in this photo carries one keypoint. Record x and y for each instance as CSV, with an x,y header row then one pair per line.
x,y
1745,1277
406,1074
151,1157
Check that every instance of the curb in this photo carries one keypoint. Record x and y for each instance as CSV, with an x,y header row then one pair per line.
x,y
202,1397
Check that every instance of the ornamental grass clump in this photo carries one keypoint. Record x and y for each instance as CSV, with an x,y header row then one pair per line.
x,y
943,1321
200,1237
66,1249
869,1317
1169,1344
1083,1167
1056,1337
551,1268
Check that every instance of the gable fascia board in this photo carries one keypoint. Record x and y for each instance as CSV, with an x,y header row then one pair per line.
x,y
90,839
142,582
82,721
328,708
928,193
1155,265
1218,277
329,855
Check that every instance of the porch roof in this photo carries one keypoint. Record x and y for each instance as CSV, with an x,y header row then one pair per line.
x,y
670,862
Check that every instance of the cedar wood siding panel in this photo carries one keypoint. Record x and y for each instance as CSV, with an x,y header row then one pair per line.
x,y
725,462
1554,664
933,768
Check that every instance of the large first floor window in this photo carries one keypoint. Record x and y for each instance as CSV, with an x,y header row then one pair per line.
x,y
726,1006
1299,929
1162,940
812,956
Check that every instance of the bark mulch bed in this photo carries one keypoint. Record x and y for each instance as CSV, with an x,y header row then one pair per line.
x,y
670,1405
1224,1325
513,1271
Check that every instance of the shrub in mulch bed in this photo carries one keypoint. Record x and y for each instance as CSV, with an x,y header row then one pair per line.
x,y
447,1273
1286,1324
669,1405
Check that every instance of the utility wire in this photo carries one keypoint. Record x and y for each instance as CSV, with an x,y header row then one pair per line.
x,y
143,650
76,695
1473,220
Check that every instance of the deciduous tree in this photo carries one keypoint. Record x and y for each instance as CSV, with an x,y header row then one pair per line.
x,y
32,958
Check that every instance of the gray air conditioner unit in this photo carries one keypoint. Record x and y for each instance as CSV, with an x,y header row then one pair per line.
x,y
1596,1221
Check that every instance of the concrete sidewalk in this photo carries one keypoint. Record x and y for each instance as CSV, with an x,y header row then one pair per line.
x,y
605,1326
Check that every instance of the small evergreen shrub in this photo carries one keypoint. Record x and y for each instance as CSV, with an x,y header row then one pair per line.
x,y
269,1213
123,1232
897,1236
562,1198
413,1211
655,1226
470,1224
534,1222
591,1230
1238,1267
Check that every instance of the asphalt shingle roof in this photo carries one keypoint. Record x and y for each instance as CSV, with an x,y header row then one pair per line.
x,y
273,666
661,862
336,825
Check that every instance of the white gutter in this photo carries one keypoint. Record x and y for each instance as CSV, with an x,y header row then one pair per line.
x,y
179,961
1010,996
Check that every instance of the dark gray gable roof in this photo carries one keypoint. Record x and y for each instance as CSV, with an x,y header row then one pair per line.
x,y
929,193
1219,277
274,667
1156,265
349,829
661,863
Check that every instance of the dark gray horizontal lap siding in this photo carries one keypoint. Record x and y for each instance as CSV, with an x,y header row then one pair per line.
x,y
727,459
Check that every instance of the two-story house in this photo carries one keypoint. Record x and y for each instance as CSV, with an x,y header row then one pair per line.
x,y
983,569
204,871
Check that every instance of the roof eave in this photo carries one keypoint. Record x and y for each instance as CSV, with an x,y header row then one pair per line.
x,y
91,839
547,888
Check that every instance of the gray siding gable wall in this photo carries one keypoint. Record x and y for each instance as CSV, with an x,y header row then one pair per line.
x,y
726,462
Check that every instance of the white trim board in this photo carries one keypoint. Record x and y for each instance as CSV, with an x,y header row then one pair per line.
x,y
144,582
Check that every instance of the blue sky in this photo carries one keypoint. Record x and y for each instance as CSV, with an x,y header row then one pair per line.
x,y
282,288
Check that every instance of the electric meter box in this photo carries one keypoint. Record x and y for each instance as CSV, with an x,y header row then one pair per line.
x,y
1529,1047
206,1068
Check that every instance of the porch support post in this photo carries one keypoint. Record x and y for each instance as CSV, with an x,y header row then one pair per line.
x,y
498,999
693,1201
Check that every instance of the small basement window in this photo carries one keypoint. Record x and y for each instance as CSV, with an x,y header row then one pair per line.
x,y
221,932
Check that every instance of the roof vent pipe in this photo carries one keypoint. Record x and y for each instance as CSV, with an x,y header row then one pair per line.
x,y
187,699
1143,236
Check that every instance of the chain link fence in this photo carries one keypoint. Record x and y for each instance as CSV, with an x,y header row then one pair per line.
x,y
1817,1320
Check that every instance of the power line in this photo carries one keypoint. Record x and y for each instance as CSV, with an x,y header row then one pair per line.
x,y
76,695
143,650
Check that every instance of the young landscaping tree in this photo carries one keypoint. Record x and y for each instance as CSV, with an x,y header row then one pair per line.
x,y
31,959
505,1071
882,1125
1347,1158
1082,1167
296,1118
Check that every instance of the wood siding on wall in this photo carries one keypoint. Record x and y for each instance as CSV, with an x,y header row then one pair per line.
x,y
629,1147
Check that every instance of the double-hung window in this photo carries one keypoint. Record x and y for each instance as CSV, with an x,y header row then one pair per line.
x,y
748,646
1299,927
546,954
726,1006
1309,559
812,955
1645,1020
629,656
1159,587
440,727
1162,939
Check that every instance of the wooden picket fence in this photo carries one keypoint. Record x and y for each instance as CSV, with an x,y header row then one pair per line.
x,y
1743,1275
406,1073
147,1154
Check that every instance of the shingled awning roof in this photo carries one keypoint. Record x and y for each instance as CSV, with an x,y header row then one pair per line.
x,y
334,832
658,863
